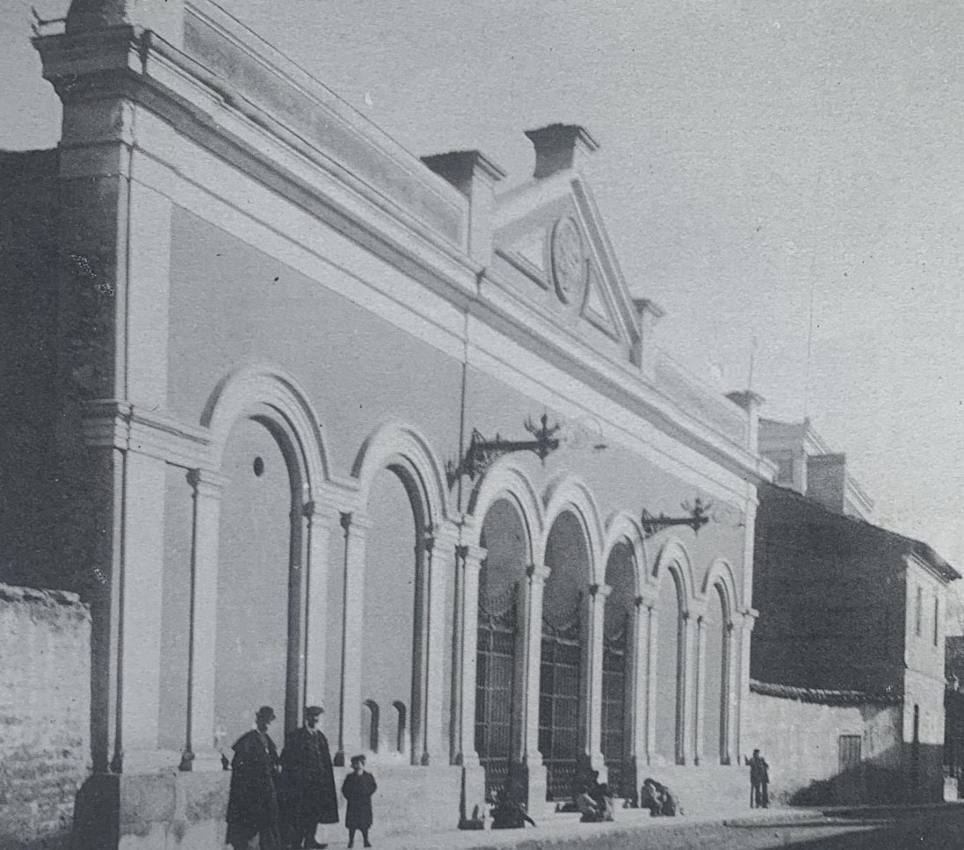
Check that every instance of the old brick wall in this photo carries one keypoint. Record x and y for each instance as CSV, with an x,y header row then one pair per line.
x,y
800,741
44,714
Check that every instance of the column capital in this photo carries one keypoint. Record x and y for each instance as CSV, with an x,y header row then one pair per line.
x,y
538,573
471,554
599,591
207,482
354,523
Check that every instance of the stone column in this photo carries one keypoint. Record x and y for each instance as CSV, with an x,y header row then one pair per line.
x,y
529,681
699,692
592,685
729,685
685,685
638,692
321,518
652,630
199,747
743,687
468,565
354,527
428,744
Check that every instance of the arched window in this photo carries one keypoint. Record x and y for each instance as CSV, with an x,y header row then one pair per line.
x,y
370,724
401,742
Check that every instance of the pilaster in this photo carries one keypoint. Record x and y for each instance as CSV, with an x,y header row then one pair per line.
x,y
320,522
355,528
530,673
439,560
730,697
593,678
652,626
685,688
746,630
638,693
199,747
468,566
699,695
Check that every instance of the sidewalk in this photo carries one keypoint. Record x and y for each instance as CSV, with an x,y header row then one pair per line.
x,y
632,828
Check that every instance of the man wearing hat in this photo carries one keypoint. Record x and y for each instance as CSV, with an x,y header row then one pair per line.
x,y
253,801
308,782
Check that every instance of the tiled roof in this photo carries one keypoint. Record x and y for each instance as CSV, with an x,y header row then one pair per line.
x,y
824,696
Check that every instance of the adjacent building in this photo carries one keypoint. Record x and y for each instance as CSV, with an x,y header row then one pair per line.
x,y
854,609
320,421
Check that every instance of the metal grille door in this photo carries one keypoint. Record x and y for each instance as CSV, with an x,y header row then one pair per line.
x,y
495,659
559,706
614,707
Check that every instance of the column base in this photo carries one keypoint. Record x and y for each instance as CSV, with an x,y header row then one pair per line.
x,y
205,760
533,782
472,807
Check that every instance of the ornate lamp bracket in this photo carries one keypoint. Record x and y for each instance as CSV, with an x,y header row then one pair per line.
x,y
697,515
482,453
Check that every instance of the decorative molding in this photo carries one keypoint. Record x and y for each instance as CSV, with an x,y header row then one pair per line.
x,y
125,426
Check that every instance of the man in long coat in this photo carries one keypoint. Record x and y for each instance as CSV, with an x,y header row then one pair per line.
x,y
308,782
759,781
253,801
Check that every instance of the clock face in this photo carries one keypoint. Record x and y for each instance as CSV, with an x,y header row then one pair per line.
x,y
568,261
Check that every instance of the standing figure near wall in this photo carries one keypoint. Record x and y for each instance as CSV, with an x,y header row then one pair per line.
x,y
759,781
253,800
308,796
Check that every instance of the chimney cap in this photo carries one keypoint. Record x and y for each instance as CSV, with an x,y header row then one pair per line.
x,y
558,146
458,167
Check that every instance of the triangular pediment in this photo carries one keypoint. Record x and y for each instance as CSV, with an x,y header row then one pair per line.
x,y
552,251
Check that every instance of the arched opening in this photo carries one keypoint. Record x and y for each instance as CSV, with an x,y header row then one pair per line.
x,y
714,689
370,725
394,566
669,690
617,663
561,715
496,715
259,579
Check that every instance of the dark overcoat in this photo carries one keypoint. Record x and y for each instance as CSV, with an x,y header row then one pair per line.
x,y
253,800
358,790
309,793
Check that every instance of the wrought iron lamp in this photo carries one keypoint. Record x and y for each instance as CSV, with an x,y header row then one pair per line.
x,y
482,453
697,515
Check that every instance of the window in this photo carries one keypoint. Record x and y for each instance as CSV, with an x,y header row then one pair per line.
x,y
372,723
919,615
937,618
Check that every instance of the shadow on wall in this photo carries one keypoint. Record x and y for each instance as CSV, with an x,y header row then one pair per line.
x,y
872,782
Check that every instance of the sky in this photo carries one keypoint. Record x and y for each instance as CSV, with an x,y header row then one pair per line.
x,y
756,159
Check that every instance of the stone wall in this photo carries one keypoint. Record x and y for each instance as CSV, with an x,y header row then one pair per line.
x,y
44,714
800,741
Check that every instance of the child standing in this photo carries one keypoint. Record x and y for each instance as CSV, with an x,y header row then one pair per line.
x,y
358,788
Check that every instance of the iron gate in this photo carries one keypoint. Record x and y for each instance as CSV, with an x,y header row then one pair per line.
x,y
495,673
614,706
559,705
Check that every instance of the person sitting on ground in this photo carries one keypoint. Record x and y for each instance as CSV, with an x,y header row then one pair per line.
x,y
509,812
603,799
658,798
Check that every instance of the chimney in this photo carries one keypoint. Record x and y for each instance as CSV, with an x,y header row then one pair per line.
x,y
827,480
751,403
560,147
648,314
475,176
165,17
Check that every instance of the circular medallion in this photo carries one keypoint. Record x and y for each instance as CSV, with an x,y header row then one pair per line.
x,y
568,261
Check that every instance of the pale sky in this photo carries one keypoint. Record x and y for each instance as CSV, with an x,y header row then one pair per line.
x,y
749,152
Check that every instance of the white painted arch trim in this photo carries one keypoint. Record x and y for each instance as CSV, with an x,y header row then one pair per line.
x,y
568,492
395,441
257,385
720,574
622,527
506,480
673,558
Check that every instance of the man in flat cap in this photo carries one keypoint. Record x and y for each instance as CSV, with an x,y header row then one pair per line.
x,y
253,801
308,782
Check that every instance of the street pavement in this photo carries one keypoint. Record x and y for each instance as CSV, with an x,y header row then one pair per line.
x,y
921,828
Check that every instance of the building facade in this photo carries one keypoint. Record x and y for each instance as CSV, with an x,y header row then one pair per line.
x,y
330,423
851,607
